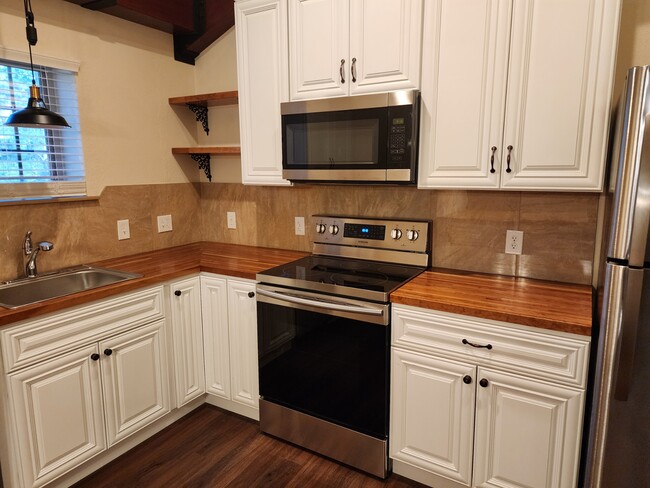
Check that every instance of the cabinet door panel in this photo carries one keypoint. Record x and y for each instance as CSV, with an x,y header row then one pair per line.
x,y
527,433
135,379
385,40
319,40
242,316
432,414
263,83
561,64
59,415
187,334
464,71
214,303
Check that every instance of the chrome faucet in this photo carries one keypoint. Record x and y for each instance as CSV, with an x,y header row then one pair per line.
x,y
28,247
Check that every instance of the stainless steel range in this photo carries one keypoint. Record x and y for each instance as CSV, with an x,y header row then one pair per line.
x,y
324,337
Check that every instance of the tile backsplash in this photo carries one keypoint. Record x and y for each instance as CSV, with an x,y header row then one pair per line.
x,y
469,227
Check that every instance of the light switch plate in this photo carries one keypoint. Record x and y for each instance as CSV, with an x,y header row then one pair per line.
x,y
123,230
300,226
232,220
164,223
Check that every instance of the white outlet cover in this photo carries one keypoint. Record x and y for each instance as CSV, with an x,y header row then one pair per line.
x,y
164,223
514,241
123,230
231,217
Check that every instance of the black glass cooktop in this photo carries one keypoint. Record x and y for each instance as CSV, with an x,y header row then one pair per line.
x,y
341,276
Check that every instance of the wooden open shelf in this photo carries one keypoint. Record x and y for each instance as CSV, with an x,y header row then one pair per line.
x,y
208,99
212,150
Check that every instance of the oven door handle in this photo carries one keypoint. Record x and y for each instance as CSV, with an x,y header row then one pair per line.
x,y
319,303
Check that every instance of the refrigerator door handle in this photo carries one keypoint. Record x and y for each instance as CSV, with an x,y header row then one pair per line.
x,y
641,219
629,320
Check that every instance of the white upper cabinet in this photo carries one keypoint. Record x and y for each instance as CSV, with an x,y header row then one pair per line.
x,y
516,94
263,83
349,47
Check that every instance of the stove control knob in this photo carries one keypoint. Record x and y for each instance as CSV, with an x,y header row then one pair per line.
x,y
412,235
334,229
396,234
320,228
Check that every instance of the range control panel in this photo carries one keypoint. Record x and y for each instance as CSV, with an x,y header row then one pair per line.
x,y
397,235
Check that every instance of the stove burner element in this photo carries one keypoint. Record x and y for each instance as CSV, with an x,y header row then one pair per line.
x,y
370,281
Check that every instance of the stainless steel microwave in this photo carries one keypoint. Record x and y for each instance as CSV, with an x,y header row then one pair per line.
x,y
361,139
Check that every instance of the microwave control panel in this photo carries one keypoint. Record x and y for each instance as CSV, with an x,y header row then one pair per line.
x,y
399,134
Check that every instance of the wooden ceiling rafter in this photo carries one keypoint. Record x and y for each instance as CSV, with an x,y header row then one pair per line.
x,y
195,24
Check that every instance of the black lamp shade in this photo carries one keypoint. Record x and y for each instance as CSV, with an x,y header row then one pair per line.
x,y
36,114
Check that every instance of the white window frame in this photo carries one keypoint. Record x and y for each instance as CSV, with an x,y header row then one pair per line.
x,y
67,183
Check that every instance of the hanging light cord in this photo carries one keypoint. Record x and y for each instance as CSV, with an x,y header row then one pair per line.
x,y
32,36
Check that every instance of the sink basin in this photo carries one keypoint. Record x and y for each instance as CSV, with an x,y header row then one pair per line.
x,y
25,291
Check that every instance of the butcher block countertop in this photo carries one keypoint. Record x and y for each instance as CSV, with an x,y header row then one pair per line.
x,y
549,305
164,265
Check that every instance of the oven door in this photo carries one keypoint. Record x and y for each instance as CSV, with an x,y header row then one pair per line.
x,y
325,356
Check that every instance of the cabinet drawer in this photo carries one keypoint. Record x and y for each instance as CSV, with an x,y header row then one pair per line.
x,y
539,353
39,339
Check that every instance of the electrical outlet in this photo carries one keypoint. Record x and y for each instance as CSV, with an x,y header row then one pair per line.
x,y
514,241
232,220
123,231
164,223
300,226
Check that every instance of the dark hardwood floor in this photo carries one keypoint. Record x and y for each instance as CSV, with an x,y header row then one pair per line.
x,y
213,448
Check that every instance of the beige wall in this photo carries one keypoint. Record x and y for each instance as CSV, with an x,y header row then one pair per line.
x,y
634,39
127,73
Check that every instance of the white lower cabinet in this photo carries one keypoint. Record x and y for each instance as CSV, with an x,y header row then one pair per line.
x,y
58,415
466,416
230,343
187,336
79,382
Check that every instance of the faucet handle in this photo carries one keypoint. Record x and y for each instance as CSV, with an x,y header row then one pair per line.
x,y
28,247
45,246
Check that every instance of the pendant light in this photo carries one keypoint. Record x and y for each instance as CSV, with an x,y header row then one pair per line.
x,y
36,114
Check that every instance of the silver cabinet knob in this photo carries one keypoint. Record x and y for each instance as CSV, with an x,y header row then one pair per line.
x,y
334,229
412,235
396,234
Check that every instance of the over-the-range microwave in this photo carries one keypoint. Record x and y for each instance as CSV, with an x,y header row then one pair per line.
x,y
360,139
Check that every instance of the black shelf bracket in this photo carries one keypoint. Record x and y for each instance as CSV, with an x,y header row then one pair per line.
x,y
201,113
204,163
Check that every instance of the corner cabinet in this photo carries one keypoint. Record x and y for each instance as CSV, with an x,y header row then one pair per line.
x,y
516,94
506,412
350,47
263,80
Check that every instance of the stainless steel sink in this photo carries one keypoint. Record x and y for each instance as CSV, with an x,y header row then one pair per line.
x,y
25,291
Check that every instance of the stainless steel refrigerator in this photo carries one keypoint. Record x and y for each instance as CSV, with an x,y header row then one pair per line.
x,y
618,435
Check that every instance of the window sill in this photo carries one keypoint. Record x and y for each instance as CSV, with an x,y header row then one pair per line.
x,y
44,200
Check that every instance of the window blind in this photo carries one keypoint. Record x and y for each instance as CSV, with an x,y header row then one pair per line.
x,y
38,163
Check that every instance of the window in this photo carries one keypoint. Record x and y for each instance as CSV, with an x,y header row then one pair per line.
x,y
38,163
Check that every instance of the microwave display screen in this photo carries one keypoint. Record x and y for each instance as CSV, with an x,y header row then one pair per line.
x,y
365,231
